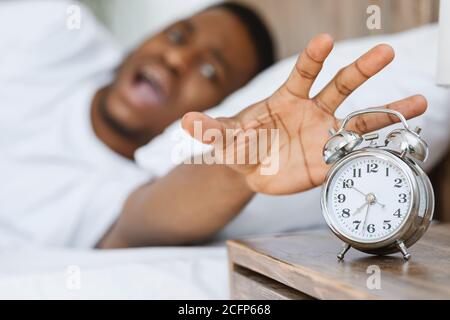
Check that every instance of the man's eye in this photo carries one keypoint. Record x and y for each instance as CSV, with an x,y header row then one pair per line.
x,y
208,71
176,37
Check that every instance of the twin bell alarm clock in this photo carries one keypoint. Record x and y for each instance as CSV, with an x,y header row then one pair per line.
x,y
377,199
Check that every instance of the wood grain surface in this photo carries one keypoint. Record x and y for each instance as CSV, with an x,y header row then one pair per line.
x,y
306,262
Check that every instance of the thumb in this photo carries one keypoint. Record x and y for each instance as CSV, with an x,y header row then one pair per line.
x,y
197,123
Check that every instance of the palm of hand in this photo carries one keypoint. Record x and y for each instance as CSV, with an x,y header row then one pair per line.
x,y
302,122
301,125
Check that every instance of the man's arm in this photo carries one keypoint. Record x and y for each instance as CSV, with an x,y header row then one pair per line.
x,y
188,205
194,201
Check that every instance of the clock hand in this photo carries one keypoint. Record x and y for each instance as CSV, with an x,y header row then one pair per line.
x,y
357,190
374,199
365,220
365,195
382,205
360,208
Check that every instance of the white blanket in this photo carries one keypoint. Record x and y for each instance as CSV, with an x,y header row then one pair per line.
x,y
153,273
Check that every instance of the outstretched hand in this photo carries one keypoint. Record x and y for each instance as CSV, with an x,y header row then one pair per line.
x,y
303,121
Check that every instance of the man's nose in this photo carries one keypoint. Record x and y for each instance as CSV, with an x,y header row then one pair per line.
x,y
181,59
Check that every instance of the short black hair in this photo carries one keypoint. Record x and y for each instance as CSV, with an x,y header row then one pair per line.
x,y
258,30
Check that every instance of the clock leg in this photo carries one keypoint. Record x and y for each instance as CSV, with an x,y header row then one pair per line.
x,y
401,246
344,250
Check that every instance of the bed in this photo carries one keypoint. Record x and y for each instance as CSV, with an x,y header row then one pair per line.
x,y
201,272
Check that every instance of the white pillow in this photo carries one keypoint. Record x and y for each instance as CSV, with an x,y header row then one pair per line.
x,y
413,71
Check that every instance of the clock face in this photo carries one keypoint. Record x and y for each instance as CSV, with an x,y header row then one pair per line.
x,y
369,198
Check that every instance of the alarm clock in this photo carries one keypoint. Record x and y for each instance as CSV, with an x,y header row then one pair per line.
x,y
377,199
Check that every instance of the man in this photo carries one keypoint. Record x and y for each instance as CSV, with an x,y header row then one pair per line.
x,y
193,201
71,124
192,65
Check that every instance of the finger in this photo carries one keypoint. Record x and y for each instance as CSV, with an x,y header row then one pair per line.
x,y
204,128
308,65
410,107
351,77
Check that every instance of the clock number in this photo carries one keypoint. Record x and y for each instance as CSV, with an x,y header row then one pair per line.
x,y
371,228
357,222
349,183
402,198
387,171
397,213
387,225
341,198
346,213
372,167
357,173
398,183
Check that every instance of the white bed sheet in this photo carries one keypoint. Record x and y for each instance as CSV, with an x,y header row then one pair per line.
x,y
147,273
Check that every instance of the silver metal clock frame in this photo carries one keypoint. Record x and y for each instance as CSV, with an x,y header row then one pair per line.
x,y
419,214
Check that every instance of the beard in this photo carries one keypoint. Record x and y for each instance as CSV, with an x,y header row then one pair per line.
x,y
117,126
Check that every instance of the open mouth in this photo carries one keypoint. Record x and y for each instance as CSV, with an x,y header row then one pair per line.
x,y
150,87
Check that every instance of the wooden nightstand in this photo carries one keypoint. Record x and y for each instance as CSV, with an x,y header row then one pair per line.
x,y
304,266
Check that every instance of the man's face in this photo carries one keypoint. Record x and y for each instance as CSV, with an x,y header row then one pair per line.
x,y
191,66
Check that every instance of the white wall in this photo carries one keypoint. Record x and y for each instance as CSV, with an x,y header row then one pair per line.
x,y
133,20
